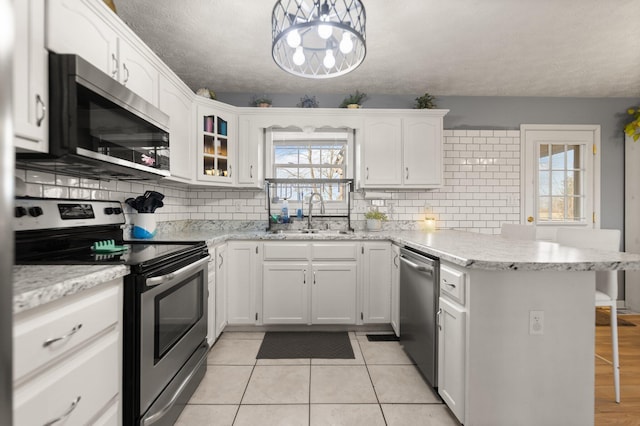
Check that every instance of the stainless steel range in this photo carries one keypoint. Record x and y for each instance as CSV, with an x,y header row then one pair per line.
x,y
165,297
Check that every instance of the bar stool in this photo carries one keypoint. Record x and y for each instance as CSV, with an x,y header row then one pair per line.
x,y
606,281
516,231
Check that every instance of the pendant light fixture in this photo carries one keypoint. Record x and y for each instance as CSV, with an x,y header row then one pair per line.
x,y
318,38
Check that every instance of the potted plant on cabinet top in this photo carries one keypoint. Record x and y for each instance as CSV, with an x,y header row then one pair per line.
x,y
632,129
354,100
425,101
262,101
374,220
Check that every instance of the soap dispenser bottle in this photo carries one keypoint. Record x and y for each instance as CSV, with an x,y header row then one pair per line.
x,y
285,211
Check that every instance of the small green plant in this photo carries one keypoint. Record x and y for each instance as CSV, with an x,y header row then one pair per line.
x,y
375,214
632,128
354,99
261,100
425,101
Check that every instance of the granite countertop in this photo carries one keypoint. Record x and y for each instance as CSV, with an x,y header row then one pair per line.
x,y
35,285
466,249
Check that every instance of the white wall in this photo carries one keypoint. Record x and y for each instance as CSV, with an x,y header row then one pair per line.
x,y
481,190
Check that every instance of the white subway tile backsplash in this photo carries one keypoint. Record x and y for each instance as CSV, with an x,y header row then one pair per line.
x,y
481,189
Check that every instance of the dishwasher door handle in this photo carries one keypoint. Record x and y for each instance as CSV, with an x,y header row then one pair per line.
x,y
426,269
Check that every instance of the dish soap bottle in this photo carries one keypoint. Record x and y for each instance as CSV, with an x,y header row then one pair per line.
x,y
285,211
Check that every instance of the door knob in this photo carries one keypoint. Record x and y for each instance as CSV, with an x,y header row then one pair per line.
x,y
530,219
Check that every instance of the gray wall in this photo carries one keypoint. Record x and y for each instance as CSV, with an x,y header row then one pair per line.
x,y
507,113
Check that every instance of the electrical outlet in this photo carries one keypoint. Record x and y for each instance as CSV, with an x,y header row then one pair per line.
x,y
536,322
237,204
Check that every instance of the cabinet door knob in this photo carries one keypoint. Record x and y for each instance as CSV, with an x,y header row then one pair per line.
x,y
530,219
367,175
251,171
43,110
407,175
304,276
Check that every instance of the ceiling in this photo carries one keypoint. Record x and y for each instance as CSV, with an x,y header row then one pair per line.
x,y
583,48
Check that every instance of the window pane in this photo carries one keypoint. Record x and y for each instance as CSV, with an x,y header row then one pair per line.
x,y
557,208
574,184
557,183
287,173
543,183
574,159
574,208
557,157
543,208
543,161
285,155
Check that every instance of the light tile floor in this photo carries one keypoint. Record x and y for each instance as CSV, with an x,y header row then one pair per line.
x,y
380,386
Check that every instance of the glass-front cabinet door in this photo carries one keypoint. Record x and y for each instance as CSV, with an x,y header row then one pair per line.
x,y
216,144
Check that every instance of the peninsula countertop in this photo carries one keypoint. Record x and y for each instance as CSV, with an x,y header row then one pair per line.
x,y
466,249
35,285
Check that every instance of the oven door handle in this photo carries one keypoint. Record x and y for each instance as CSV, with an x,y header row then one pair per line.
x,y
152,282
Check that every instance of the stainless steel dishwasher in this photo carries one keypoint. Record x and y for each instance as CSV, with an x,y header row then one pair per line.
x,y
419,289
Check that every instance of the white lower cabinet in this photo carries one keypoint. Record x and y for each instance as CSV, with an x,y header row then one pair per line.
x,y
452,343
285,293
299,288
395,289
243,275
68,359
211,300
333,294
221,289
376,274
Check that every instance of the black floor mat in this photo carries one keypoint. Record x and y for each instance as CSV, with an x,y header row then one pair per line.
x,y
305,344
382,338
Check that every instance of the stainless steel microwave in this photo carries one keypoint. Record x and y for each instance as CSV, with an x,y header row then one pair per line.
x,y
98,127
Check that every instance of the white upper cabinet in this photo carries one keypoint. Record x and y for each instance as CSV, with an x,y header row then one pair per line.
x,y
401,149
382,151
30,77
176,101
422,151
251,145
91,30
216,144
136,71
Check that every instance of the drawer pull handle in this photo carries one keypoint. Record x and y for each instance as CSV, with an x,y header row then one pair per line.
x,y
73,331
73,406
449,285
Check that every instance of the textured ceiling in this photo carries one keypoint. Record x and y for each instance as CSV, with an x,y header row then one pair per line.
x,y
587,48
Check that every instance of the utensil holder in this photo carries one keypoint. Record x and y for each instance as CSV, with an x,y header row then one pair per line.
x,y
144,225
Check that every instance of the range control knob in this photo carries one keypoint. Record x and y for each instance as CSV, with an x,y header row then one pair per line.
x,y
108,210
20,211
35,211
117,210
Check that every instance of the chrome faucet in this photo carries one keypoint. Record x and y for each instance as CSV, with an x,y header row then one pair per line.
x,y
311,207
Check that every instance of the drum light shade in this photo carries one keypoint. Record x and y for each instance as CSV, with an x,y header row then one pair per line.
x,y
318,39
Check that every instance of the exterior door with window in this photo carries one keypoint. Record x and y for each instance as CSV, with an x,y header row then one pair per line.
x,y
561,177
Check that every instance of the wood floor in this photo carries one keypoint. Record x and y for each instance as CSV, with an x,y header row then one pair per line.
x,y
628,411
